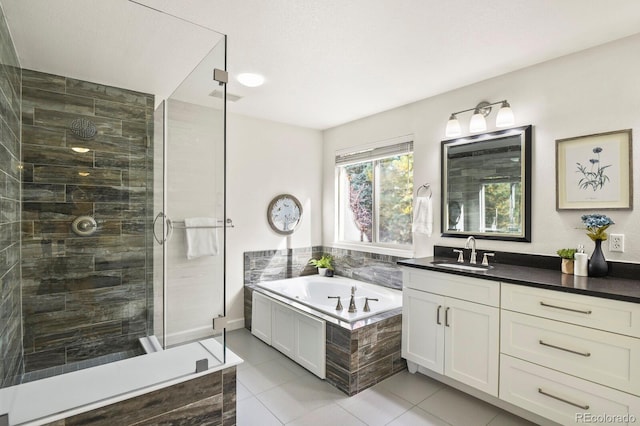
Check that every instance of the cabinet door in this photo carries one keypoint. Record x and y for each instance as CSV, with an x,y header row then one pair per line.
x,y
310,342
472,344
422,336
261,317
283,329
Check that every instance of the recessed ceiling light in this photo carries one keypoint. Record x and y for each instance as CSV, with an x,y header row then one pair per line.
x,y
79,149
250,79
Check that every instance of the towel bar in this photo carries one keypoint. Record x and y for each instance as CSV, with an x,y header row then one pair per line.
x,y
179,224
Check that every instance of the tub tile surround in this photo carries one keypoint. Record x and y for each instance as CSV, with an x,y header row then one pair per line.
x,y
358,359
359,355
270,265
84,297
11,364
207,400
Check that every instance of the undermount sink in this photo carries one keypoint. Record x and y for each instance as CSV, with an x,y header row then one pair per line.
x,y
462,266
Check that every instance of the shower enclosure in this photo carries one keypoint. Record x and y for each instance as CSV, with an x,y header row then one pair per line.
x,y
97,182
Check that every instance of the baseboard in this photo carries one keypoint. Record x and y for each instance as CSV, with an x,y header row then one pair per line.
x,y
235,324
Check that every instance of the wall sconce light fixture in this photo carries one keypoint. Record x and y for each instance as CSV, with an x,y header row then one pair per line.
x,y
478,123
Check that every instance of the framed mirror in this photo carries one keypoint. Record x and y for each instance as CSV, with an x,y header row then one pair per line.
x,y
486,185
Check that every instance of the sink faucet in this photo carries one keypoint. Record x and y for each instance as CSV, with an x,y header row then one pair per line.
x,y
352,303
471,243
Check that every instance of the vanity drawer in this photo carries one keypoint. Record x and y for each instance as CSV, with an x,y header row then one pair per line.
x,y
460,287
606,358
604,314
560,397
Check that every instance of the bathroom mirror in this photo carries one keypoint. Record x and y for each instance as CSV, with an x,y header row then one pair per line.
x,y
486,185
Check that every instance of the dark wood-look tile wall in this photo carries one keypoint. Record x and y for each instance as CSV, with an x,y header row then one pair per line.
x,y
207,400
11,362
84,296
358,359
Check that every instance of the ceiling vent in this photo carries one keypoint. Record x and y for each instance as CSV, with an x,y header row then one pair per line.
x,y
230,96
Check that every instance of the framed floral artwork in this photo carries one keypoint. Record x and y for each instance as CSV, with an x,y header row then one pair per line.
x,y
595,172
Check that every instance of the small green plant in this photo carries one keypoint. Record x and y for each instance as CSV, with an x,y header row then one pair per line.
x,y
323,262
566,253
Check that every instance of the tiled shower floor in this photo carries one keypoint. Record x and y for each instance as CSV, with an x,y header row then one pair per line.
x,y
273,390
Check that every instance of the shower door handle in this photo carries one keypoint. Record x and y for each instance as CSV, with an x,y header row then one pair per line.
x,y
169,227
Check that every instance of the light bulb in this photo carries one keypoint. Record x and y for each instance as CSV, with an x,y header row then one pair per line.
x,y
453,127
250,79
505,116
477,123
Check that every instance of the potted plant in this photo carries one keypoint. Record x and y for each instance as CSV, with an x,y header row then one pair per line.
x,y
323,264
567,255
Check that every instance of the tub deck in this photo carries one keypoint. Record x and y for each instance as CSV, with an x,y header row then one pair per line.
x,y
314,291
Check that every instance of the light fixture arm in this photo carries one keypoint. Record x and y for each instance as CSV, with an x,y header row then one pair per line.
x,y
483,108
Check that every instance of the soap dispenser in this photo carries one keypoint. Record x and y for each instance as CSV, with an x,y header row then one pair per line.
x,y
581,262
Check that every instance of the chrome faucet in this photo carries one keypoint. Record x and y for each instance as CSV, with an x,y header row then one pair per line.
x,y
339,304
471,242
352,303
366,303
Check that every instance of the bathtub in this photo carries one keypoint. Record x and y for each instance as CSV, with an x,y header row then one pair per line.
x,y
314,291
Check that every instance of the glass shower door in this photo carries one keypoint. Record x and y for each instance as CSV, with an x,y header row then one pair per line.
x,y
194,205
189,206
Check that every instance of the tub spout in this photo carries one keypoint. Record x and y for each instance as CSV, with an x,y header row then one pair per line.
x,y
366,303
352,303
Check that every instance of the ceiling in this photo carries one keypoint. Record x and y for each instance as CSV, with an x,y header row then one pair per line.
x,y
326,62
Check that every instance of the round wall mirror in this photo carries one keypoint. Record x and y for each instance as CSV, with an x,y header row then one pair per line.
x,y
284,214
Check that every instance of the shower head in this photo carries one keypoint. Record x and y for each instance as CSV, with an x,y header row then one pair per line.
x,y
83,129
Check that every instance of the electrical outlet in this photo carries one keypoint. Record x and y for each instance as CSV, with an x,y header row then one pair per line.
x,y
616,242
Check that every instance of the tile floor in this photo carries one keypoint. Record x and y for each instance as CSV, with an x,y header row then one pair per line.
x,y
273,390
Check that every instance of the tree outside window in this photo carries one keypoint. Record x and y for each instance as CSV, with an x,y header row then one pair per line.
x,y
375,200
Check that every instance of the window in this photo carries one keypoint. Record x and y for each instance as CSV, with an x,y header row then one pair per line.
x,y
375,196
500,207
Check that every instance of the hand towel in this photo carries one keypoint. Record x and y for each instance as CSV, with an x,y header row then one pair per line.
x,y
423,216
201,241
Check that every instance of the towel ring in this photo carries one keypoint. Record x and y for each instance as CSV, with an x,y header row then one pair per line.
x,y
426,187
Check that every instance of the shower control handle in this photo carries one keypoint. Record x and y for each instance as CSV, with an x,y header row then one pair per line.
x,y
84,226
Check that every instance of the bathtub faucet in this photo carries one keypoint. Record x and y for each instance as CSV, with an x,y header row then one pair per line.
x,y
352,303
339,305
366,303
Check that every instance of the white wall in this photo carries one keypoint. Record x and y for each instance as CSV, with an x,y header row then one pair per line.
x,y
265,159
597,90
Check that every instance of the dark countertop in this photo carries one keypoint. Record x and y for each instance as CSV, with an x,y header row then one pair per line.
x,y
607,287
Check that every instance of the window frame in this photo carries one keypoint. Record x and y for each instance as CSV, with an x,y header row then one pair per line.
x,y
374,153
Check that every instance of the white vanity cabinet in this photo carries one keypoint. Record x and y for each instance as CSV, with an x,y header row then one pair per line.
x,y
300,336
450,324
565,355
